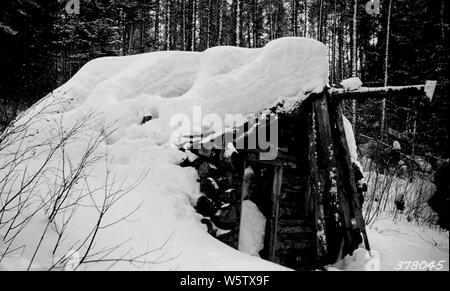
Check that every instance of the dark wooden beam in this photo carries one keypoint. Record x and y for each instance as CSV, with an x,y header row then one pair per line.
x,y
276,192
283,159
348,174
337,207
316,189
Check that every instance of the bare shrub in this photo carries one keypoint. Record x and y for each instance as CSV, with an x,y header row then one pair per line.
x,y
392,187
42,178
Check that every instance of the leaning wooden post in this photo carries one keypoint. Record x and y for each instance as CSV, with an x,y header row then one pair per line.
x,y
350,177
337,207
317,190
276,192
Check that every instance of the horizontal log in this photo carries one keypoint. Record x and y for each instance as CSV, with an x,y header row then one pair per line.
x,y
288,212
299,229
378,92
295,222
207,170
296,244
283,159
209,187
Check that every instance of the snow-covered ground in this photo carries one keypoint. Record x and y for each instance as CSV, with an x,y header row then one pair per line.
x,y
154,224
400,246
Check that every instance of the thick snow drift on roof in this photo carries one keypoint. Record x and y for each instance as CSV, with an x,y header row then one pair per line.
x,y
120,91
222,80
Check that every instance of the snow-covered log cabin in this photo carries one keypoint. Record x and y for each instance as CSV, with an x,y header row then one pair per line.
x,y
309,194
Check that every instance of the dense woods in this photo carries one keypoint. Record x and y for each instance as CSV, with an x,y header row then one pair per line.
x,y
386,42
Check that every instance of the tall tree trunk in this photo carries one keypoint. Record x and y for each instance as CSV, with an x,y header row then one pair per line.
x,y
275,36
320,22
168,24
443,24
295,18
157,15
333,45
386,69
208,27
124,31
142,33
238,23
354,58
271,20
184,24
254,25
130,39
341,51
222,6
249,28
194,24
305,34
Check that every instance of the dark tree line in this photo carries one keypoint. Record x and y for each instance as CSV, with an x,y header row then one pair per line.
x,y
43,46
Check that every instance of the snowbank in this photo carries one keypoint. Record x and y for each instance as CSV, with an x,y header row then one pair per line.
x,y
118,93
253,228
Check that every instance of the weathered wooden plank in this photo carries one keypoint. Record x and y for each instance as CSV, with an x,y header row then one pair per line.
x,y
349,175
316,190
309,201
304,221
337,206
296,244
283,157
290,211
254,156
276,191
299,228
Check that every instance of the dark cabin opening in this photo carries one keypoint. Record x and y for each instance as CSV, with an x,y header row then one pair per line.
x,y
290,236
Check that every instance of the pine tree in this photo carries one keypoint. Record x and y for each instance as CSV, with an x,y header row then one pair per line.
x,y
386,68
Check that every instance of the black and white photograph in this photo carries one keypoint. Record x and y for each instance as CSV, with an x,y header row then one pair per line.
x,y
240,137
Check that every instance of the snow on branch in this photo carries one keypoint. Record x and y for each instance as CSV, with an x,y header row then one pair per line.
x,y
7,29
